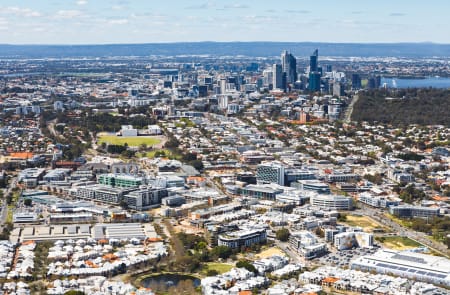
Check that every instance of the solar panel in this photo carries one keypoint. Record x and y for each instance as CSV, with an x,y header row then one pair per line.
x,y
409,258
436,275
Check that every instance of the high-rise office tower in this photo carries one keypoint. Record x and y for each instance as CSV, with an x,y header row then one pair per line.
x,y
277,76
314,74
314,81
338,89
313,61
268,77
374,82
356,81
289,66
223,85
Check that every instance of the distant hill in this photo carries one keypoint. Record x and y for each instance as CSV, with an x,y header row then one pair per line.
x,y
261,49
425,106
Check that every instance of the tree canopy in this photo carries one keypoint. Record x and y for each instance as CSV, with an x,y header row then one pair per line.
x,y
424,106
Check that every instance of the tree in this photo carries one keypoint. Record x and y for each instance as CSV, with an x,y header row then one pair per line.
x,y
411,194
172,143
221,252
376,178
187,263
201,246
282,234
27,202
212,273
190,241
74,292
189,157
197,164
247,265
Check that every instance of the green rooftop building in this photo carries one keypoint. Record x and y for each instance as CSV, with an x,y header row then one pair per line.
x,y
116,180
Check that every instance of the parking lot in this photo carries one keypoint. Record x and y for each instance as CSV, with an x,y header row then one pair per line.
x,y
343,258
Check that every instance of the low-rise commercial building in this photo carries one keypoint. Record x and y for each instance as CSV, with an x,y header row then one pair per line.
x,y
145,198
349,240
341,177
120,180
378,201
103,193
331,202
408,211
261,191
313,185
307,245
246,238
417,266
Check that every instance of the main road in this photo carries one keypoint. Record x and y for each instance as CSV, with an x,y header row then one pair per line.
x,y
6,192
403,231
349,110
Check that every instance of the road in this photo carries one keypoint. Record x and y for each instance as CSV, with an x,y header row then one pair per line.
x,y
293,255
8,190
349,111
400,230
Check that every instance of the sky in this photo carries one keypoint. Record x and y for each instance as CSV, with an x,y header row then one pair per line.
x,y
158,21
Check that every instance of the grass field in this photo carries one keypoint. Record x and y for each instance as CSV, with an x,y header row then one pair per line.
x,y
367,223
398,243
219,267
404,222
151,154
131,141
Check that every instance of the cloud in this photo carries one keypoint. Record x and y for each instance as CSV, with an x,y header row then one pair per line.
x,y
397,14
117,7
68,14
297,11
81,2
19,11
148,16
357,12
235,6
201,6
39,29
122,21
260,19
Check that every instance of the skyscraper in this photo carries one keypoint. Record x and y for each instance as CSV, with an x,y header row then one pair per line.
x,y
289,66
356,81
314,81
314,74
313,61
277,76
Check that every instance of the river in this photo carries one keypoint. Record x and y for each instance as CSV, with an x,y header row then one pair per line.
x,y
435,82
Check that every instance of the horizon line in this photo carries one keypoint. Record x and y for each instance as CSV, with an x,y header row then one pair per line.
x,y
184,42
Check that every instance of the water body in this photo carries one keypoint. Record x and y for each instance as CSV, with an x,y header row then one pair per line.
x,y
435,82
163,282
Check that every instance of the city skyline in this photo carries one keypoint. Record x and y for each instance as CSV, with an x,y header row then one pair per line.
x,y
106,22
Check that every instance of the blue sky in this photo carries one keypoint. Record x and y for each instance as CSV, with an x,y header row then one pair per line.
x,y
145,21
